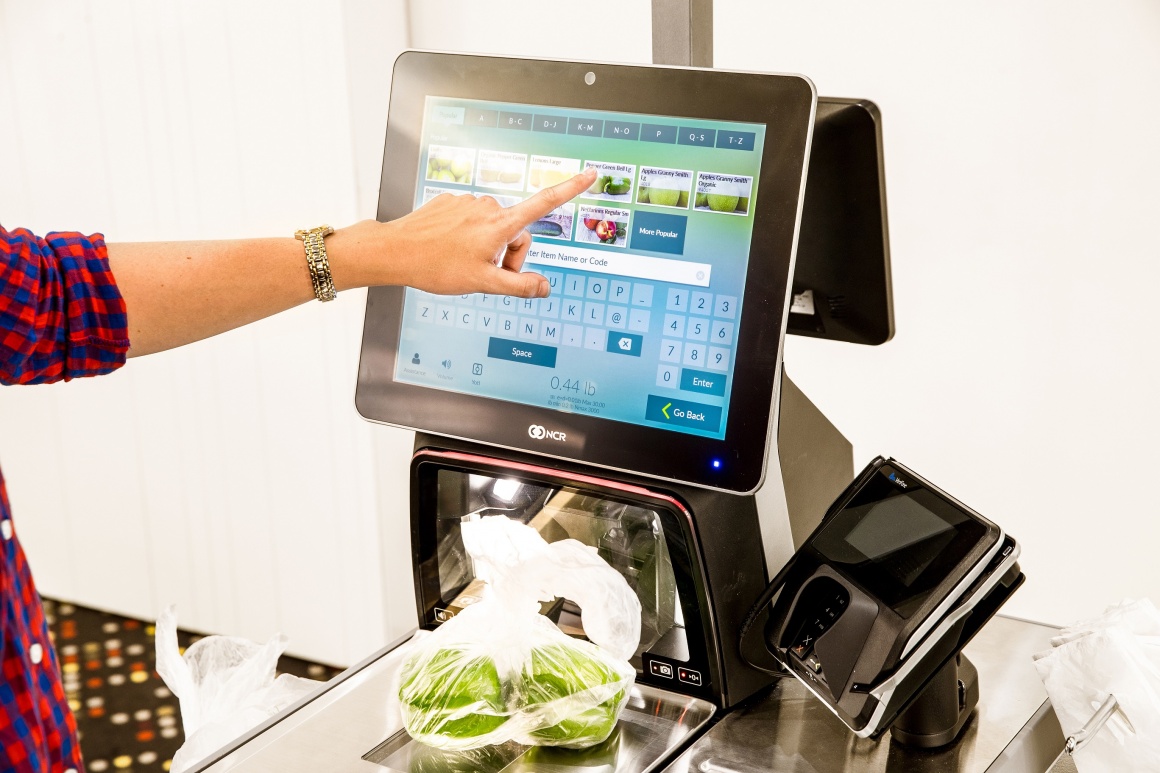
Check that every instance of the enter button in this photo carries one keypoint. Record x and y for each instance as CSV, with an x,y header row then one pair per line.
x,y
705,383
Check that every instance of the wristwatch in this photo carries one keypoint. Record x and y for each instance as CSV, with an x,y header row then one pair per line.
x,y
316,260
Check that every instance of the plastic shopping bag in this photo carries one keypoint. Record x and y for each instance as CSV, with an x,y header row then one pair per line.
x,y
500,671
1117,654
225,686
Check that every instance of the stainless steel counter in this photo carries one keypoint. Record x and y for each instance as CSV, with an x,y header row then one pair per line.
x,y
352,725
788,730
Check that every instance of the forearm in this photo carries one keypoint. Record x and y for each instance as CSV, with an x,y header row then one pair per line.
x,y
178,292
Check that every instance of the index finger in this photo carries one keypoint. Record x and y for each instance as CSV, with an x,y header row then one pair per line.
x,y
533,208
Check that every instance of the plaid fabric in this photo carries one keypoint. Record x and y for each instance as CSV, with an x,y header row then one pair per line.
x,y
61,317
61,314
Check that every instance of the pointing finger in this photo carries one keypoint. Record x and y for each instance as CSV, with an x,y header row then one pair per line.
x,y
513,259
533,208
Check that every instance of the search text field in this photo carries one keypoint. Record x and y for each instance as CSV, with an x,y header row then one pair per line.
x,y
607,262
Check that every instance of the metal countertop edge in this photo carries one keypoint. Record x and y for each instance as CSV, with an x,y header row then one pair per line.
x,y
323,688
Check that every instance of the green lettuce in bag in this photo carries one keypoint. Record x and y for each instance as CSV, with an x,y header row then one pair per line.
x,y
452,698
578,685
499,671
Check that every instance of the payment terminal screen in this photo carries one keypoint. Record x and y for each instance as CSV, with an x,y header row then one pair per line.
x,y
647,267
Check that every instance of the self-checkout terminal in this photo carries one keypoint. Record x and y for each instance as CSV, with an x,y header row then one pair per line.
x,y
634,409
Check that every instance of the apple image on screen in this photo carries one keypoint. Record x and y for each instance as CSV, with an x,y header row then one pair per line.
x,y
664,191
725,198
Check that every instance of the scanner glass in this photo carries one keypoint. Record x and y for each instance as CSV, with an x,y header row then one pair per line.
x,y
630,538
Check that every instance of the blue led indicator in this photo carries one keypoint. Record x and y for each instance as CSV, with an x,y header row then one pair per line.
x,y
716,464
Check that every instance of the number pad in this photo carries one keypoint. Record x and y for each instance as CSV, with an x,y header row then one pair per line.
x,y
674,325
670,350
697,329
695,355
726,307
701,303
722,334
669,376
718,359
678,300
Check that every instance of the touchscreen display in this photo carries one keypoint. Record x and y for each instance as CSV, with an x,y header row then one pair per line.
x,y
647,268
898,540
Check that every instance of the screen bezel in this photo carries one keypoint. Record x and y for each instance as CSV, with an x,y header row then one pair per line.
x,y
785,103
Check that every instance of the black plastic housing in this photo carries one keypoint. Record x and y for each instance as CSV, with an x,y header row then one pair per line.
x,y
844,245
718,532
864,645
786,104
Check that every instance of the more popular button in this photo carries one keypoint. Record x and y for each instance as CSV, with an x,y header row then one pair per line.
x,y
683,413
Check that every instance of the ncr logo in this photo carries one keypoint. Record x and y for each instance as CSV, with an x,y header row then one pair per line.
x,y
539,432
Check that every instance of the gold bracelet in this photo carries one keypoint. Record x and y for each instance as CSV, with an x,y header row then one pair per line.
x,y
316,260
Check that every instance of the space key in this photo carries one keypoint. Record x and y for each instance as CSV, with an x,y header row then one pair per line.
x,y
521,351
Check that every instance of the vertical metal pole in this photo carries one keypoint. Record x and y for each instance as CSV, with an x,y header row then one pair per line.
x,y
682,32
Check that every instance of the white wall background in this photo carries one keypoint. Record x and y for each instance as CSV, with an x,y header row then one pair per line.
x,y
1021,175
231,477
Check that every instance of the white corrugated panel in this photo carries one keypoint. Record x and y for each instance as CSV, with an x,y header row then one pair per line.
x,y
231,476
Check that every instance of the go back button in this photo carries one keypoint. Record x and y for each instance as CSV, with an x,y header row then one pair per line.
x,y
521,351
683,413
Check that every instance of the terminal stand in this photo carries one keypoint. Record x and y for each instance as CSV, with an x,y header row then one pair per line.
x,y
939,712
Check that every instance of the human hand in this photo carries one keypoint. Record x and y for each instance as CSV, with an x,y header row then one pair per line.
x,y
453,244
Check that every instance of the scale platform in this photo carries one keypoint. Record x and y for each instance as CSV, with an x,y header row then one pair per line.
x,y
352,725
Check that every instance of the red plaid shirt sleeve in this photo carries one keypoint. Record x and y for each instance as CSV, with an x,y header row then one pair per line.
x,y
61,317
61,314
